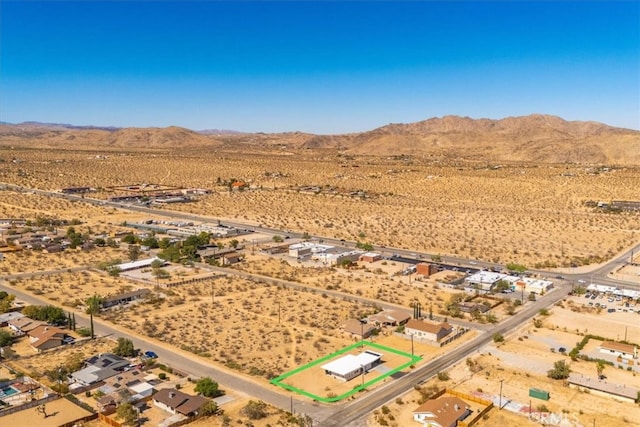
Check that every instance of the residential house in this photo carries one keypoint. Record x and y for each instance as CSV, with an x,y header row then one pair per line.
x,y
350,366
626,351
427,331
99,368
125,297
45,337
390,318
177,402
230,258
445,411
358,328
23,325
470,306
9,316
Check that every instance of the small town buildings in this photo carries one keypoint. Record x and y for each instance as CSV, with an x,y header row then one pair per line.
x,y
45,337
9,316
427,331
483,281
358,328
626,351
602,387
445,411
426,269
141,263
350,366
230,258
537,286
370,257
470,306
177,402
390,318
124,298
306,249
23,325
98,368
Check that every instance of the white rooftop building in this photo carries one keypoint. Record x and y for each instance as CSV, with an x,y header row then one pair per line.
x,y
350,366
141,263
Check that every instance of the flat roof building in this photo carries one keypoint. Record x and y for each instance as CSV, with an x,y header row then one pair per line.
x,y
350,366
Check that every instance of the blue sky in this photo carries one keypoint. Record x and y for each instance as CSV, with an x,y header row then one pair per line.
x,y
321,67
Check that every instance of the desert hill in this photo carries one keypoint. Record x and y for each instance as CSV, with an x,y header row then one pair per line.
x,y
536,138
539,138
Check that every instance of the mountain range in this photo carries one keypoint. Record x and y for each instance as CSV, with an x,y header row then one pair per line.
x,y
534,138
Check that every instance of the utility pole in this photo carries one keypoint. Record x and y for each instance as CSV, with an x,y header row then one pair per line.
x,y
501,381
362,367
412,345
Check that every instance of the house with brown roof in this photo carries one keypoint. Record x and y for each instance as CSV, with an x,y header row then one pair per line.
x,y
445,411
358,328
427,331
390,318
626,351
177,402
24,325
45,337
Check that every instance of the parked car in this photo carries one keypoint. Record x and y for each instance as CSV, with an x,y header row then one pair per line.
x,y
150,355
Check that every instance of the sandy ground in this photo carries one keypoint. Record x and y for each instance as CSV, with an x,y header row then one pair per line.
x,y
438,207
59,412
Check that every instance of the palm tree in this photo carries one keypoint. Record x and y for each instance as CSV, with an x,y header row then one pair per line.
x,y
93,307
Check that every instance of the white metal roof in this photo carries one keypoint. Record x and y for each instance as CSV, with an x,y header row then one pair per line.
x,y
485,277
137,264
350,362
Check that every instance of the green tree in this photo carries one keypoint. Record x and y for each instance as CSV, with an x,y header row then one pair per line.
x,y
134,252
208,388
600,365
124,348
151,242
498,338
94,304
114,271
210,408
532,296
130,239
518,268
6,302
560,370
501,286
127,413
157,263
278,239
5,338
100,242
234,243
46,313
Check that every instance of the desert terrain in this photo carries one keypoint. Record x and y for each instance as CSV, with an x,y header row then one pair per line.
x,y
541,211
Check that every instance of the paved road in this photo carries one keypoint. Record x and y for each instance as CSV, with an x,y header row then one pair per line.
x,y
353,413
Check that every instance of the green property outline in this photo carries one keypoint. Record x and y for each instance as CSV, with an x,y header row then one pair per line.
x,y
278,380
